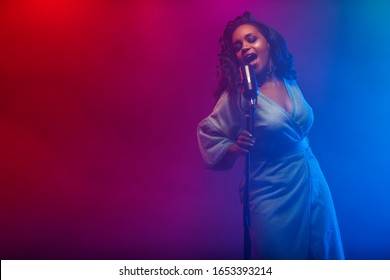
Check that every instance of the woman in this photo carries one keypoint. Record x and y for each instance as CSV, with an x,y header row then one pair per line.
x,y
291,209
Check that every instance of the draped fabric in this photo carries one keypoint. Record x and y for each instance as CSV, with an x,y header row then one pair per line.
x,y
292,214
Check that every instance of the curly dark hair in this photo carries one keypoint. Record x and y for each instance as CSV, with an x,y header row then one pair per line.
x,y
228,73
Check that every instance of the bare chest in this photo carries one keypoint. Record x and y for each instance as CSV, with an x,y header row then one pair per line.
x,y
279,95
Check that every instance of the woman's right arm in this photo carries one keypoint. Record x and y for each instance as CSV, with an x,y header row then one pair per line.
x,y
221,137
218,150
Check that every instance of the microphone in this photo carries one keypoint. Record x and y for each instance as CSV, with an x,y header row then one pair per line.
x,y
249,87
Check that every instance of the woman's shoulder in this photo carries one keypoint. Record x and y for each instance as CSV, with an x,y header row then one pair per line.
x,y
292,85
224,94
225,98
291,82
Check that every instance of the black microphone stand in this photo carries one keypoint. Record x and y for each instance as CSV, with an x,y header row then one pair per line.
x,y
250,92
249,117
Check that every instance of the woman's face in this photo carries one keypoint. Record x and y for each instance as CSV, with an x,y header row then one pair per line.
x,y
251,47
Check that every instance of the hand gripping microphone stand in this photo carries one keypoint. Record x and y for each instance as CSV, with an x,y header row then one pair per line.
x,y
250,91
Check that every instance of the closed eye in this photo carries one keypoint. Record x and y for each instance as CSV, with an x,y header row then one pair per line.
x,y
251,38
237,46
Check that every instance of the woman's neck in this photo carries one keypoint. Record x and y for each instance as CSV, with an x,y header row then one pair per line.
x,y
268,81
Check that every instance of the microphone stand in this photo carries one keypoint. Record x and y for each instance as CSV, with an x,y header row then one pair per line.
x,y
249,88
249,117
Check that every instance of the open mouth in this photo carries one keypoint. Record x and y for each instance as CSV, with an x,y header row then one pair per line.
x,y
250,57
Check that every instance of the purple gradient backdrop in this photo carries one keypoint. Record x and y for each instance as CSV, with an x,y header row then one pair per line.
x,y
99,102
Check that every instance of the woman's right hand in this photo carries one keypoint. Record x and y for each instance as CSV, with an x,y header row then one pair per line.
x,y
244,143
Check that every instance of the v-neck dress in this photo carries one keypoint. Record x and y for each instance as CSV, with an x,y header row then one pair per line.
x,y
292,215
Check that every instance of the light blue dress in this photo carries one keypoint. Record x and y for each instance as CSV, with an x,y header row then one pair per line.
x,y
291,208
